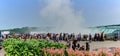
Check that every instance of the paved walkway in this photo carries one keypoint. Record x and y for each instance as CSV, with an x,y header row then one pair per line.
x,y
99,45
2,52
106,44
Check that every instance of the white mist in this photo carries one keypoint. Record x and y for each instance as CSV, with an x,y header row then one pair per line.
x,y
63,17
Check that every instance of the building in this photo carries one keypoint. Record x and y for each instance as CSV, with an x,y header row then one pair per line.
x,y
110,30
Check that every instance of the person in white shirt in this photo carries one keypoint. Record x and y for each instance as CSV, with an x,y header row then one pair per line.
x,y
47,38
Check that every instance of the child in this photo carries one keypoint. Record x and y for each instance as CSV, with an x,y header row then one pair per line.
x,y
82,48
78,45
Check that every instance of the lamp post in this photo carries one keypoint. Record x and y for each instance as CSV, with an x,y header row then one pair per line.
x,y
47,29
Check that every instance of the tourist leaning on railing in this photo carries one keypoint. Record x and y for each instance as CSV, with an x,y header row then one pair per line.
x,y
58,37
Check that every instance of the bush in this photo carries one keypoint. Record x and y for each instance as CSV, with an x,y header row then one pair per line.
x,y
19,47
64,52
70,52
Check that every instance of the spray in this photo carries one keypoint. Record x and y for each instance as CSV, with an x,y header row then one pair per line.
x,y
62,17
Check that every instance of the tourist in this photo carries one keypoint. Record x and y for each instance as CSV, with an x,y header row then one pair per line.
x,y
79,37
87,46
47,38
61,37
95,37
73,47
87,38
57,37
116,36
64,36
78,45
103,36
68,44
90,37
82,48
99,37
74,42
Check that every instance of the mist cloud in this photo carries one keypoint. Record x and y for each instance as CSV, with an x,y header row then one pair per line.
x,y
61,15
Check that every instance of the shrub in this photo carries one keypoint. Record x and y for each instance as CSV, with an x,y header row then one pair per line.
x,y
19,47
70,52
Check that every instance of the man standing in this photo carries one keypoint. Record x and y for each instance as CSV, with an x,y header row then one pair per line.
x,y
0,35
90,37
116,36
0,40
103,36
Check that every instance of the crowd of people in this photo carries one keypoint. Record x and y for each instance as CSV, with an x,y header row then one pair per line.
x,y
66,37
58,37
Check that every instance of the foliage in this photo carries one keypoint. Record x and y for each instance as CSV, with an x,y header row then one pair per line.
x,y
70,52
19,47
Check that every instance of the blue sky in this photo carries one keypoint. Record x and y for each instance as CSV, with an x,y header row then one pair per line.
x,y
21,13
